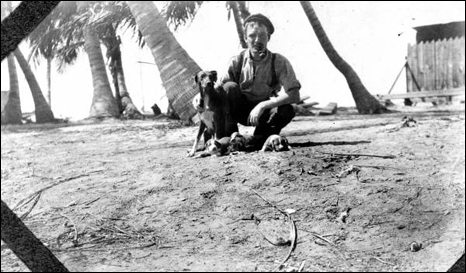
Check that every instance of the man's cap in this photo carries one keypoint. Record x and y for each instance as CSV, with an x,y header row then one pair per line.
x,y
262,19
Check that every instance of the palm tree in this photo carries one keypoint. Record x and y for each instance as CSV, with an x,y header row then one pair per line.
x,y
176,67
243,9
47,40
111,16
112,43
11,114
61,36
365,102
233,6
42,109
43,112
103,103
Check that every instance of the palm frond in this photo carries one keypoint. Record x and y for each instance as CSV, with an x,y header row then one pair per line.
x,y
63,28
67,55
49,32
112,16
178,13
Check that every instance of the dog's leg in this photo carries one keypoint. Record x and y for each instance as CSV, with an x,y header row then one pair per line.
x,y
202,128
207,137
264,147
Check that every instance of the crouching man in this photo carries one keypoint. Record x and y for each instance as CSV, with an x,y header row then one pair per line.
x,y
253,81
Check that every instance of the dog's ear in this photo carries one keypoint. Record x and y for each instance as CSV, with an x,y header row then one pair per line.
x,y
285,140
196,79
214,75
286,144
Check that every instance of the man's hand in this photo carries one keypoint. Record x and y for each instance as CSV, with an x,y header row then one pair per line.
x,y
291,96
255,114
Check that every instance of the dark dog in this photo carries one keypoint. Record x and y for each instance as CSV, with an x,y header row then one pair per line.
x,y
211,109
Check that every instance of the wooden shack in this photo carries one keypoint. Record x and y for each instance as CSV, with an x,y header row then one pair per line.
x,y
434,65
436,60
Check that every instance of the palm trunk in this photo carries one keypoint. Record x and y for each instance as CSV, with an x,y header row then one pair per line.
x,y
365,102
113,72
12,114
42,109
243,9
125,103
130,110
176,67
49,81
103,103
239,23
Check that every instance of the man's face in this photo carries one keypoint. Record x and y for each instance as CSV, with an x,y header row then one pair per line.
x,y
256,38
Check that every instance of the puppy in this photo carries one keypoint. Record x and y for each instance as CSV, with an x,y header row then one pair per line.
x,y
276,143
210,105
216,147
237,143
240,143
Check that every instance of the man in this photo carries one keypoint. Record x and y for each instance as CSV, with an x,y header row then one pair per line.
x,y
252,83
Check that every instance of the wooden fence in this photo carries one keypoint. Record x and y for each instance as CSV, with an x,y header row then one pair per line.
x,y
436,65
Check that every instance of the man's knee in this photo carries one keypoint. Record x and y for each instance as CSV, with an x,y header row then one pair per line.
x,y
286,113
231,89
234,97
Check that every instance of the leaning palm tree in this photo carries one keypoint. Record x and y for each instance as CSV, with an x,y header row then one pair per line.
x,y
233,7
365,102
243,9
176,67
11,114
42,111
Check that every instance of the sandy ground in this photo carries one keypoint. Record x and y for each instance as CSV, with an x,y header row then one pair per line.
x,y
128,199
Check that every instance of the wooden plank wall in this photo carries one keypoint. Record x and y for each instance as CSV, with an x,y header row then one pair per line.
x,y
437,65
